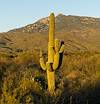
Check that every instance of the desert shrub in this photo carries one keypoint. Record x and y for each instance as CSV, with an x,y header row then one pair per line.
x,y
19,87
79,72
23,81
30,58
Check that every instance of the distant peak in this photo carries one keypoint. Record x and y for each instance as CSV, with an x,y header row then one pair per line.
x,y
44,20
60,14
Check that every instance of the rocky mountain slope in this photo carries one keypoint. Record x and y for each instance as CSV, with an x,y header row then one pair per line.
x,y
79,33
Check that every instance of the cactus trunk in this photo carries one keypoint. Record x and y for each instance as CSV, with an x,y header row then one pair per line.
x,y
50,72
51,38
51,29
51,81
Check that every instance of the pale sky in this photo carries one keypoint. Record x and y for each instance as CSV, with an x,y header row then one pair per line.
x,y
18,13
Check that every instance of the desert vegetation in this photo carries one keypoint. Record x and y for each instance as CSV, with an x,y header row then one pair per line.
x,y
22,81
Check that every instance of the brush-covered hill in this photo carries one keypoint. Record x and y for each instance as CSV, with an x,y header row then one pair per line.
x,y
79,34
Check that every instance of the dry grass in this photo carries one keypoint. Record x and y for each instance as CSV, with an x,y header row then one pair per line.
x,y
23,81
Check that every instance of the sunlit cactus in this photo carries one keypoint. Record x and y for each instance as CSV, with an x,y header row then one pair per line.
x,y
55,54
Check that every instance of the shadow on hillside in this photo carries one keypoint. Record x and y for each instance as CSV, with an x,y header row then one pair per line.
x,y
65,96
88,95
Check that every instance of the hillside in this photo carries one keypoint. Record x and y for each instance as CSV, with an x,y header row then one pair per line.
x,y
77,81
79,34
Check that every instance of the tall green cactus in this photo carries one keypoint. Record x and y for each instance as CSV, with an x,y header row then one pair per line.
x,y
55,53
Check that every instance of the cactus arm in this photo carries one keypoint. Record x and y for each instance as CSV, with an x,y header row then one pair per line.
x,y
56,56
56,61
42,63
62,49
50,54
56,45
61,55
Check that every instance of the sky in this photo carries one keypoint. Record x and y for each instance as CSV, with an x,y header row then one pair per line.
x,y
18,13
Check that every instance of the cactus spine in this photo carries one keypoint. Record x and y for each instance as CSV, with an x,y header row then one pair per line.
x,y
55,53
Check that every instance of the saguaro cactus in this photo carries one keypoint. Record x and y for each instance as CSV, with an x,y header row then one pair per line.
x,y
55,53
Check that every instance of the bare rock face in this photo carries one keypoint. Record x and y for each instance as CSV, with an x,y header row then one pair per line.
x,y
44,21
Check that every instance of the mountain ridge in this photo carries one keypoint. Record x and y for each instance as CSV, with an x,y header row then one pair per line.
x,y
79,33
45,22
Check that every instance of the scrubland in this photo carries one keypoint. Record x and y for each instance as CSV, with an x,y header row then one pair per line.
x,y
22,81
